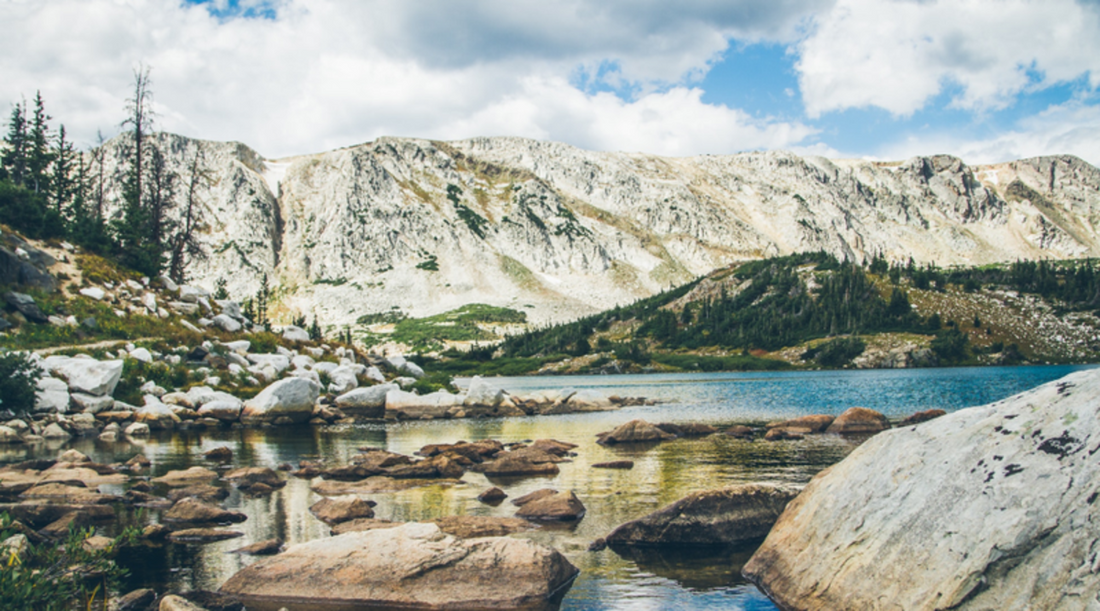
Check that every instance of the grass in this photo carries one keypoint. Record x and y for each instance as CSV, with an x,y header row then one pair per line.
x,y
460,325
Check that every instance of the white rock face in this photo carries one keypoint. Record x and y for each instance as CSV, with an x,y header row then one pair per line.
x,y
86,376
52,396
292,398
515,222
991,507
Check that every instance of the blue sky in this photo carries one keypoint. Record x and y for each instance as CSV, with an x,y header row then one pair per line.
x,y
988,80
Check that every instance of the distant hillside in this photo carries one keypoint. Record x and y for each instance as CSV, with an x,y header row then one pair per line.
x,y
812,310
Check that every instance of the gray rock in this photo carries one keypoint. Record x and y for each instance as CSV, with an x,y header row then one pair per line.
x,y
88,376
291,398
483,393
92,404
93,292
25,305
9,435
52,396
226,323
54,431
985,508
729,516
368,401
295,334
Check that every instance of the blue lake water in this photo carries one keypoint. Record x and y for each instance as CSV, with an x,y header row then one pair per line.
x,y
669,579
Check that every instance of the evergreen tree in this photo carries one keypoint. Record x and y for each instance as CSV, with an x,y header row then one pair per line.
x,y
39,153
132,231
13,162
315,330
63,182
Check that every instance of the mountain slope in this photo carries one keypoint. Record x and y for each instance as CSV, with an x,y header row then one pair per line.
x,y
557,232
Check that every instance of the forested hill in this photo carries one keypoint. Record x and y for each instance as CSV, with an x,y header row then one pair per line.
x,y
811,309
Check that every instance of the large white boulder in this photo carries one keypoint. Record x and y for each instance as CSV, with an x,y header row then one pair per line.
x,y
156,415
990,507
374,374
291,398
88,376
52,396
228,411
366,401
483,393
93,292
343,379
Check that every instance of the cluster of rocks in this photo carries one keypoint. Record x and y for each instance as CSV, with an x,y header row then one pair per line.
x,y
319,385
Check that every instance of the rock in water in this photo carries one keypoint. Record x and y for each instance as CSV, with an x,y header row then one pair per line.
x,y
291,398
738,514
990,507
858,420
634,431
408,566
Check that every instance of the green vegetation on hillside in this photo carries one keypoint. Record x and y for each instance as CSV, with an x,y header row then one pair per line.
x,y
429,333
735,319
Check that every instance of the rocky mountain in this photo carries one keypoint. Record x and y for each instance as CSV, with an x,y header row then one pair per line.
x,y
541,227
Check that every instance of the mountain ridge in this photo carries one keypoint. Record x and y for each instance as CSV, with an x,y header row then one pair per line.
x,y
425,226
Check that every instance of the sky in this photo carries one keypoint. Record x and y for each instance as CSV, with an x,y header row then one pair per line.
x,y
986,80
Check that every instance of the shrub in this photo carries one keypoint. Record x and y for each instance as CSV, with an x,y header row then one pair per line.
x,y
18,381
839,352
59,577
432,382
950,345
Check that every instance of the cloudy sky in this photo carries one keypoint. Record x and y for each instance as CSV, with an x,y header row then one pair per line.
x,y
987,80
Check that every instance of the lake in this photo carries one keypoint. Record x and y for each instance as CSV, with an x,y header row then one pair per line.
x,y
681,579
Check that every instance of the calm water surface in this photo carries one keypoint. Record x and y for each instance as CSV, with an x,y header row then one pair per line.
x,y
687,579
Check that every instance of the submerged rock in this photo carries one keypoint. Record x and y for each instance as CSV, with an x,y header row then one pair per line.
x,y
727,516
336,510
412,565
989,507
562,506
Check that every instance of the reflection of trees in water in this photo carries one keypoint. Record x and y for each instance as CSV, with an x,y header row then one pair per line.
x,y
695,567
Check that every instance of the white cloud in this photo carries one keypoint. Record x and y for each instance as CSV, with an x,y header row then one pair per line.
x,y
328,73
897,55
1072,128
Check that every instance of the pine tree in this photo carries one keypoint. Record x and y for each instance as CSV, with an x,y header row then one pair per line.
x,y
133,230
63,183
315,330
14,159
39,153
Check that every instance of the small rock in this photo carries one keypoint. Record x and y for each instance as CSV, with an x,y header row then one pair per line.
x,y
336,510
492,496
564,506
203,535
859,420
614,464
138,600
220,454
261,548
924,416
635,431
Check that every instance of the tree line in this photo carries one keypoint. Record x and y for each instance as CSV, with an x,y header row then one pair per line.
x,y
48,189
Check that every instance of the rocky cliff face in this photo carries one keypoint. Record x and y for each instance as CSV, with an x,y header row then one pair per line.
x,y
556,231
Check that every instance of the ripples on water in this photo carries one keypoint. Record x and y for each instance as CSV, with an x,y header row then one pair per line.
x,y
671,579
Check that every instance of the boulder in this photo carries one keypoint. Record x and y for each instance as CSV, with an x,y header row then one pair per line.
x,y
401,405
91,404
365,402
266,547
333,511
219,454
588,400
635,431
278,362
226,323
172,602
88,376
740,431
990,507
924,416
858,420
291,398
408,566
563,506
9,435
192,510
482,393
729,516
25,305
137,429
53,431
492,496
52,395
93,292
186,477
295,334
226,411
815,423
343,379
690,429
157,416
248,477
203,492
142,354
513,464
